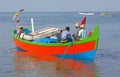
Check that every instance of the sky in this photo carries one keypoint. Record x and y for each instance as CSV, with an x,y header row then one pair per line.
x,y
59,5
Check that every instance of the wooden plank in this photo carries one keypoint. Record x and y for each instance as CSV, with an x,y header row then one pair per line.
x,y
40,30
43,31
46,32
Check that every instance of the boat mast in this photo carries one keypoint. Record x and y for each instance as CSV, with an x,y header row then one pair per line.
x,y
32,24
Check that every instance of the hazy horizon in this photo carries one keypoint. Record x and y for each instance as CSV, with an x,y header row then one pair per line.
x,y
59,5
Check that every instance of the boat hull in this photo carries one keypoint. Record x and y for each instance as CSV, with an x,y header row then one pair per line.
x,y
84,50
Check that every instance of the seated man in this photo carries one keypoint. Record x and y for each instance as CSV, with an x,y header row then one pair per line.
x,y
82,33
19,31
65,35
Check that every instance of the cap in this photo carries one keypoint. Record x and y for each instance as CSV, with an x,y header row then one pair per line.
x,y
82,25
20,27
76,25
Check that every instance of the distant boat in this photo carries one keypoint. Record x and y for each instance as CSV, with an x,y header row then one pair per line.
x,y
86,13
106,14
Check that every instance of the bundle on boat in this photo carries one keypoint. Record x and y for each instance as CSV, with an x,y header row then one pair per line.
x,y
43,33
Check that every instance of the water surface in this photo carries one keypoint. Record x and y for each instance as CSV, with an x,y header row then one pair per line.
x,y
106,62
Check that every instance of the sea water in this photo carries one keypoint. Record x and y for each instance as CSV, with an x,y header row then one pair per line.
x,y
105,64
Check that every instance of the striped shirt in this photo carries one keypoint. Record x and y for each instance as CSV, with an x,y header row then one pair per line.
x,y
82,33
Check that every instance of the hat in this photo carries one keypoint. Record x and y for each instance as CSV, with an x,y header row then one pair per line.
x,y
76,25
20,27
82,26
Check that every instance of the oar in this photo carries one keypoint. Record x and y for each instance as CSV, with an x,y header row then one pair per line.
x,y
67,49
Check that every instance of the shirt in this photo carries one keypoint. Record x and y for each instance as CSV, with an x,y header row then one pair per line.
x,y
82,33
19,32
64,35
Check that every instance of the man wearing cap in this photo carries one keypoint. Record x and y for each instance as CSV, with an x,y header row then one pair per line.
x,y
82,33
20,30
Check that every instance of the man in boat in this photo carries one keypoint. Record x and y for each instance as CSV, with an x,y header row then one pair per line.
x,y
65,35
20,30
81,33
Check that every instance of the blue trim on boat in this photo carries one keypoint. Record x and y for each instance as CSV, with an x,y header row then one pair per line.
x,y
85,55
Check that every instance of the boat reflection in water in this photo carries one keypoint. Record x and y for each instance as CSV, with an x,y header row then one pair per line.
x,y
34,65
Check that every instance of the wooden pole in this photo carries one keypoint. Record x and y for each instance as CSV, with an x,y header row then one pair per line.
x,y
32,23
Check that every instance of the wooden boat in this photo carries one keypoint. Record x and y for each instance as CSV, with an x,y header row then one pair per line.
x,y
82,49
106,14
86,13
